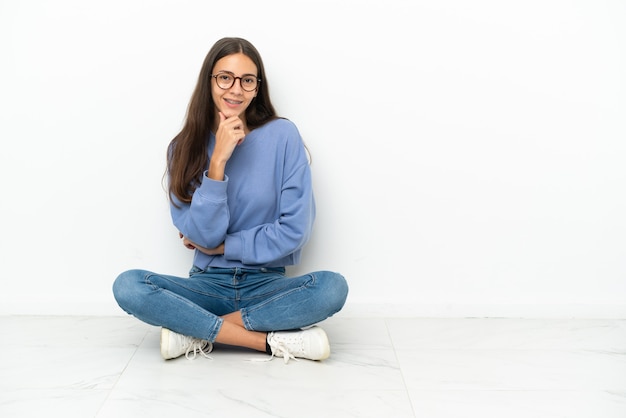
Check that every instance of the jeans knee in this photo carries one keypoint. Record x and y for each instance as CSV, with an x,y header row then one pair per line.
x,y
336,288
123,289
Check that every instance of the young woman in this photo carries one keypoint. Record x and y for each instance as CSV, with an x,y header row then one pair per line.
x,y
241,197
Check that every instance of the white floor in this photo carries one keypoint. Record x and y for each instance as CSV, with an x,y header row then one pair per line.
x,y
385,368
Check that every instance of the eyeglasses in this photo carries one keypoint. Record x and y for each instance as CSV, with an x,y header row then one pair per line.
x,y
226,80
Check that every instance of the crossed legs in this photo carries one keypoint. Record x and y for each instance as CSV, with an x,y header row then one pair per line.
x,y
233,332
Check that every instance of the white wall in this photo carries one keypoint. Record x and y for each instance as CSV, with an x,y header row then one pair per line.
x,y
468,157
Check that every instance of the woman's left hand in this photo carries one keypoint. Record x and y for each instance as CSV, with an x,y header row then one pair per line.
x,y
193,246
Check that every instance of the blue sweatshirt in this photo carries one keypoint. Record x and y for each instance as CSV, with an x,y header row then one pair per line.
x,y
263,210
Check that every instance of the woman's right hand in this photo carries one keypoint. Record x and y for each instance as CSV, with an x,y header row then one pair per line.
x,y
229,134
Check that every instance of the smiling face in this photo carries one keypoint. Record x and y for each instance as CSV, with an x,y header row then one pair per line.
x,y
233,101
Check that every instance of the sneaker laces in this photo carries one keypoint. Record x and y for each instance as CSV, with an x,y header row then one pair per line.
x,y
279,349
199,346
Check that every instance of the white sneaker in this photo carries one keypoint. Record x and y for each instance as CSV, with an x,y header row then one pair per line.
x,y
175,345
311,344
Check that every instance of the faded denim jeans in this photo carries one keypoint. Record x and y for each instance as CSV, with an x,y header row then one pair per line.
x,y
267,298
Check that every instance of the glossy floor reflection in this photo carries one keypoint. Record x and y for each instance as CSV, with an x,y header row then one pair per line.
x,y
385,368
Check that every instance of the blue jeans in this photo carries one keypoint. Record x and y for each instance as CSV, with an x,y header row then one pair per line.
x,y
267,299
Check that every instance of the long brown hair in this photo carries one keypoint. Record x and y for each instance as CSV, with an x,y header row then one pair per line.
x,y
187,155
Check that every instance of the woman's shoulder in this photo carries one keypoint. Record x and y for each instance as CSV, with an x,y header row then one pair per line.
x,y
282,133
280,124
